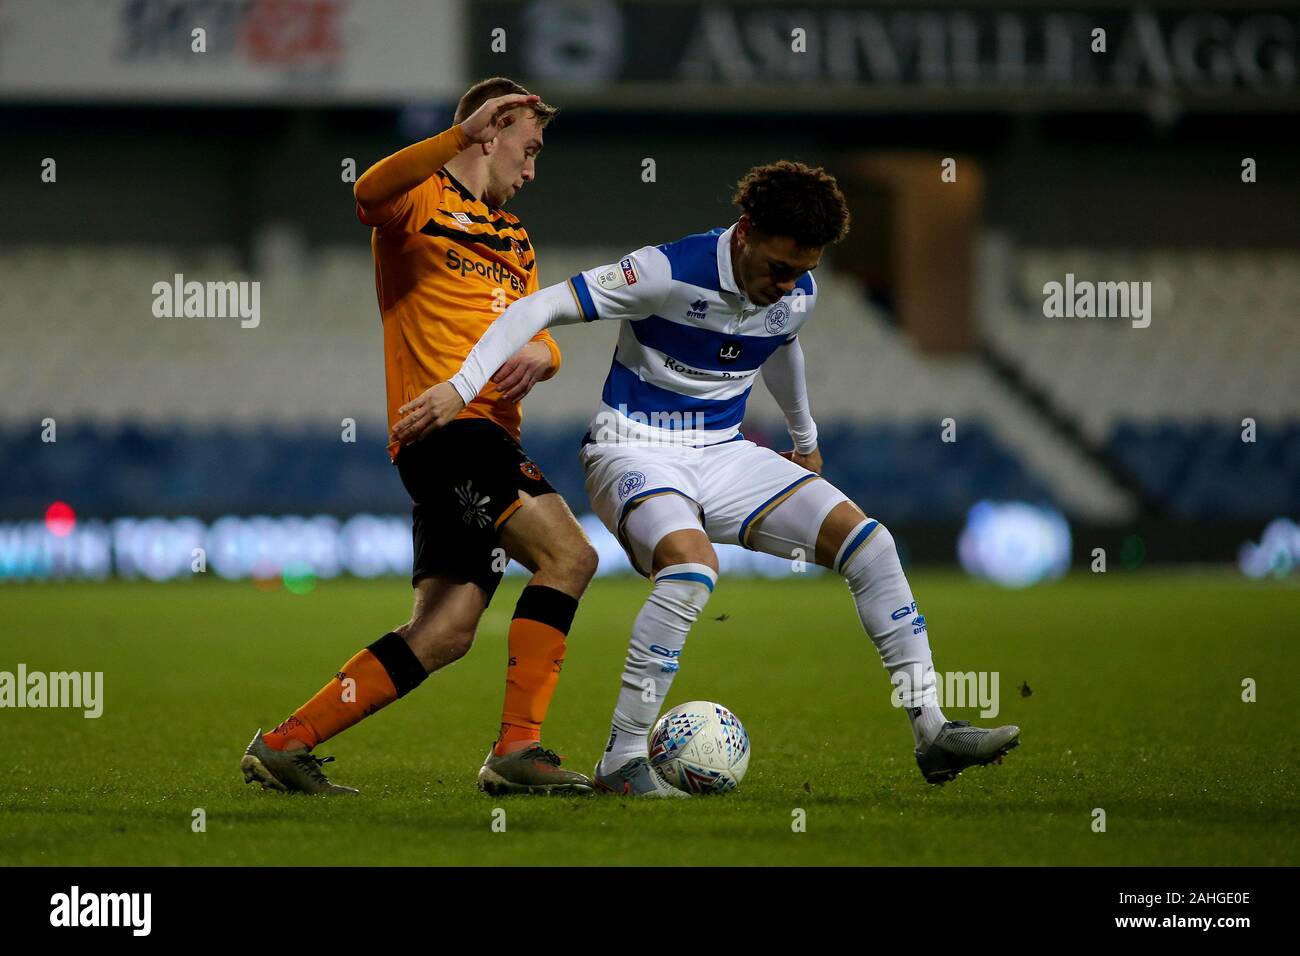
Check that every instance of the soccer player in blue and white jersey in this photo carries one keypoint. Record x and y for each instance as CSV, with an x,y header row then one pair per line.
x,y
669,473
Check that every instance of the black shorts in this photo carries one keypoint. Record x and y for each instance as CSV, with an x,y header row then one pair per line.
x,y
465,481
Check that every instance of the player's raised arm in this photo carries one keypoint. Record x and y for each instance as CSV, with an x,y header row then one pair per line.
x,y
381,186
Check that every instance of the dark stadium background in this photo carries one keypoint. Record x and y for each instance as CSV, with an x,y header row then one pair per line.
x,y
1123,166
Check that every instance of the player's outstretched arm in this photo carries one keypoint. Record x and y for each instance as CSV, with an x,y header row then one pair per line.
x,y
630,289
525,317
783,374
533,363
387,180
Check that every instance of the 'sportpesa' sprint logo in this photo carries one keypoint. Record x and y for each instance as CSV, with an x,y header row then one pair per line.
x,y
492,271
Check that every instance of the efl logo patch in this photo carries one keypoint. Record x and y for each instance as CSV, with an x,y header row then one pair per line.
x,y
629,271
630,482
530,470
611,279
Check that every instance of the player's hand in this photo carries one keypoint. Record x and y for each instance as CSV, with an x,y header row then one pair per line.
x,y
486,122
432,410
812,461
522,371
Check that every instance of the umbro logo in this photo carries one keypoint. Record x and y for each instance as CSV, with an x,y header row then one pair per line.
x,y
697,309
730,351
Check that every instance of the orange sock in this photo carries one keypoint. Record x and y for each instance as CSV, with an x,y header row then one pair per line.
x,y
370,681
514,737
537,632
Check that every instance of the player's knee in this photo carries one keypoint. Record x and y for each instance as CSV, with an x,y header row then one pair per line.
x,y
449,646
585,561
685,547
573,560
843,519
437,643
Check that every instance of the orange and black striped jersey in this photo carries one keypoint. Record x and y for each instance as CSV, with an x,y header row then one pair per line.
x,y
446,266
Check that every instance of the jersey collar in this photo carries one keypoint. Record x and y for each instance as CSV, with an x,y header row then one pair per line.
x,y
465,194
726,276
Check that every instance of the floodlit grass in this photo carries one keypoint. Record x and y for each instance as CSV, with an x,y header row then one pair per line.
x,y
1136,708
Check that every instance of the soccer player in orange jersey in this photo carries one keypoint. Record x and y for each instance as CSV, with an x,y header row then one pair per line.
x,y
448,260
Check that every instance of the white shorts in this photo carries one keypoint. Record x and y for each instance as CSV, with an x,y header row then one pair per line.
x,y
733,485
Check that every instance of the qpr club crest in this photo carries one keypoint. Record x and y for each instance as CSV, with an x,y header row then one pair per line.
x,y
778,317
629,483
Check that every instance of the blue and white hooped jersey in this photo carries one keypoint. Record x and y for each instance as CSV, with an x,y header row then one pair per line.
x,y
692,343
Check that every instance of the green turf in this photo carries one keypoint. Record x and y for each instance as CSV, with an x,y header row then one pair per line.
x,y
1135,708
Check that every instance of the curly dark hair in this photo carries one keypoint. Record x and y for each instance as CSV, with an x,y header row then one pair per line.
x,y
790,199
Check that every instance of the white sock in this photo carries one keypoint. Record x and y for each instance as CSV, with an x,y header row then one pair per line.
x,y
658,636
869,562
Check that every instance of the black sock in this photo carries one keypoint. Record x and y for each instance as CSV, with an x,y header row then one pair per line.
x,y
548,606
404,668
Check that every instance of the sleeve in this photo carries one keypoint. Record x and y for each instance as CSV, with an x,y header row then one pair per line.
x,y
783,374
404,213
384,192
632,288
523,320
543,336
802,304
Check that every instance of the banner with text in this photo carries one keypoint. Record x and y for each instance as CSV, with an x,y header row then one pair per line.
x,y
271,51
782,55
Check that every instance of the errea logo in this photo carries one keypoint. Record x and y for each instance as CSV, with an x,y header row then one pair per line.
x,y
697,309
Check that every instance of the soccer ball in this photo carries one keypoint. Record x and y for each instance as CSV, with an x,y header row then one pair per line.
x,y
700,747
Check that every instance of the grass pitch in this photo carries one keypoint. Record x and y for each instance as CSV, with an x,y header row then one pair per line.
x,y
1136,708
